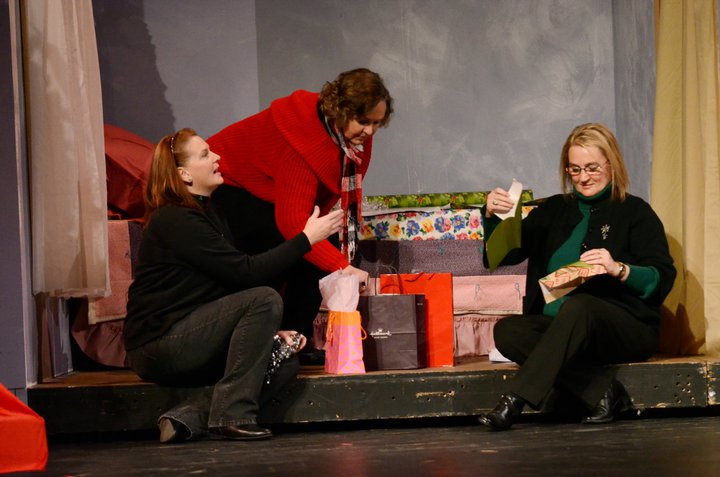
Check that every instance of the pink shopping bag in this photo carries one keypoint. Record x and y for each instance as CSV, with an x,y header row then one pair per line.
x,y
343,336
343,345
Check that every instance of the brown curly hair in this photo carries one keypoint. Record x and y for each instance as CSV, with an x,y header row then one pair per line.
x,y
353,95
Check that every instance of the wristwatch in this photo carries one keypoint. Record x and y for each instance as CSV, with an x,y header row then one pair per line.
x,y
622,271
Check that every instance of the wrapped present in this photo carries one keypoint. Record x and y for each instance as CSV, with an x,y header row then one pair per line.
x,y
459,257
426,224
435,224
564,280
448,200
489,294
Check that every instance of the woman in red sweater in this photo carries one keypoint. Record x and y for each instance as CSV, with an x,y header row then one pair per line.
x,y
305,149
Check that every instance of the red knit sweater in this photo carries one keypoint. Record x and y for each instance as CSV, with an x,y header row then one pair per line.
x,y
284,155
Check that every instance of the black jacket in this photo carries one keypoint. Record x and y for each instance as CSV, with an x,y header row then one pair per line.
x,y
187,258
634,235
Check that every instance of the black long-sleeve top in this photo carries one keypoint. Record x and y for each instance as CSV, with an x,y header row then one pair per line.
x,y
186,259
629,230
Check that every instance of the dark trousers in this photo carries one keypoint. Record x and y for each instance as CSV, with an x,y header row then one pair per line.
x,y
252,223
569,351
224,345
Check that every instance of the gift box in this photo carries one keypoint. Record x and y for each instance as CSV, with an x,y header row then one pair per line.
x,y
459,257
436,224
564,280
489,294
444,216
448,200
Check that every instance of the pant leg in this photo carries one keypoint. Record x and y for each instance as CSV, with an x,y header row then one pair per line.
x,y
229,339
586,334
236,396
516,336
299,285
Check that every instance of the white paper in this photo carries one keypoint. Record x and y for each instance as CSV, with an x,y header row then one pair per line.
x,y
340,291
515,192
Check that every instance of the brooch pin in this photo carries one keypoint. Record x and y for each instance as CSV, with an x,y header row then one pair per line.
x,y
604,231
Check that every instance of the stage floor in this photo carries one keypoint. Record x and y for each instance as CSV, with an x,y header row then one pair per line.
x,y
119,400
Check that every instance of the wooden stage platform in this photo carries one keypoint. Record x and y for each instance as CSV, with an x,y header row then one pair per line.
x,y
118,400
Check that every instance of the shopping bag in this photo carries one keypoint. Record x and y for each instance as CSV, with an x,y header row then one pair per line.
x,y
438,291
395,327
343,338
343,346
23,442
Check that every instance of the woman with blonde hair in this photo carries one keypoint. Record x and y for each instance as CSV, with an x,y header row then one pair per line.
x,y
613,317
197,312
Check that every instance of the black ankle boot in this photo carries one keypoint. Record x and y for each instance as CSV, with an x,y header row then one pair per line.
x,y
614,401
506,413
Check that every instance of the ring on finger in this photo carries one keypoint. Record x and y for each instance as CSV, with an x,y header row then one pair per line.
x,y
494,202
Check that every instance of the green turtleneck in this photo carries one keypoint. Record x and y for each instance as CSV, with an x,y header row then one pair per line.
x,y
643,280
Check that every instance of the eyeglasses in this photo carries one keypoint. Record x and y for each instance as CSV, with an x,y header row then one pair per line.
x,y
590,169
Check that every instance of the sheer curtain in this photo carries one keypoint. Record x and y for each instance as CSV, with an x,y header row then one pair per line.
x,y
685,188
66,149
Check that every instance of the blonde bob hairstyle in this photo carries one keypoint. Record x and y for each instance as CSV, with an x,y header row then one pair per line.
x,y
353,95
164,185
598,135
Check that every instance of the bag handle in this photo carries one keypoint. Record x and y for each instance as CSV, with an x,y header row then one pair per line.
x,y
399,282
329,330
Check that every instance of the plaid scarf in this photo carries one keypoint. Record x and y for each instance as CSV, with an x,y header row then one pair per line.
x,y
350,190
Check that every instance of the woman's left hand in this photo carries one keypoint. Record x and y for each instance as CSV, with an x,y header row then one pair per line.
x,y
600,256
288,337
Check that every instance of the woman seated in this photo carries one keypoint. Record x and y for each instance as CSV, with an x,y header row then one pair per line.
x,y
611,318
196,315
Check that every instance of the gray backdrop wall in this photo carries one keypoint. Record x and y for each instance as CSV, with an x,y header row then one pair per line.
x,y
485,90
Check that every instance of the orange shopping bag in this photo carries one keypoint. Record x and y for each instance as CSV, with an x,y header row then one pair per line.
x,y
438,291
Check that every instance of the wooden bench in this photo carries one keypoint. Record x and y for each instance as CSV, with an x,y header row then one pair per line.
x,y
119,400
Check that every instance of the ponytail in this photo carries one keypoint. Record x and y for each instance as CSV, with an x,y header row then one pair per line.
x,y
164,185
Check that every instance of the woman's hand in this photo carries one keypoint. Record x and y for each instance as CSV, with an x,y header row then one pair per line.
x,y
498,201
288,337
361,274
600,256
319,228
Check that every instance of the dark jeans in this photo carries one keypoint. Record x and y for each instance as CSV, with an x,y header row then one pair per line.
x,y
252,223
226,343
569,351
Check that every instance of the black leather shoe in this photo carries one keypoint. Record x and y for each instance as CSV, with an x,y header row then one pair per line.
x,y
172,431
506,413
242,432
614,401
